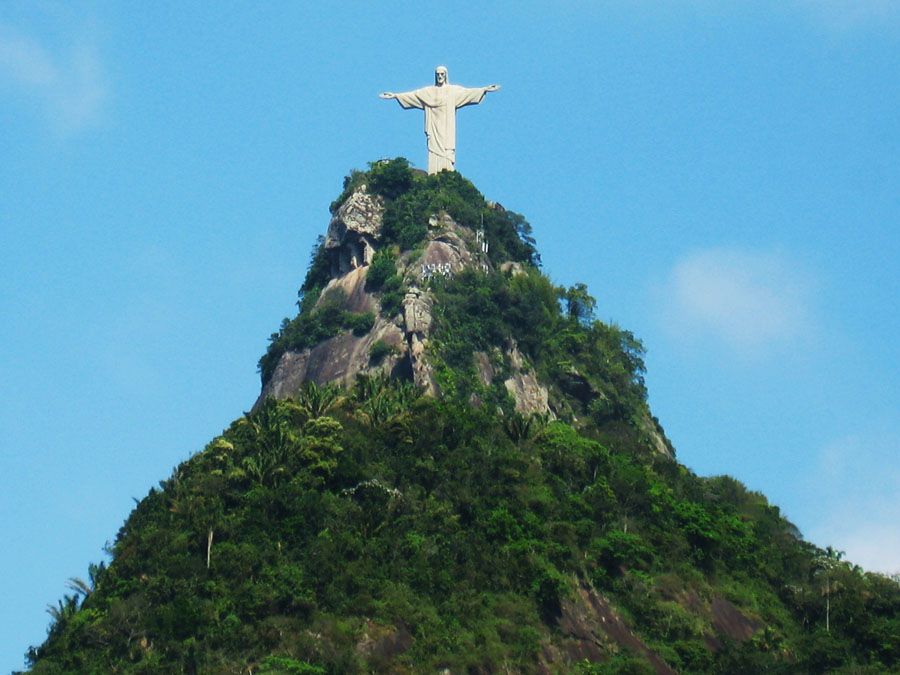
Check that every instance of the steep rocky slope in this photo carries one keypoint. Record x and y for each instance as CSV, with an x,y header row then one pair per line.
x,y
452,468
354,235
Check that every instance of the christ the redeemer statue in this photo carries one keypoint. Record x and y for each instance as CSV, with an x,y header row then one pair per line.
x,y
440,103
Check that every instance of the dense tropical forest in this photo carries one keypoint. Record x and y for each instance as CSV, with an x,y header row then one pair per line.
x,y
375,529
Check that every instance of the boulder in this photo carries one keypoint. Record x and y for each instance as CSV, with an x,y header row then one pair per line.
x,y
354,231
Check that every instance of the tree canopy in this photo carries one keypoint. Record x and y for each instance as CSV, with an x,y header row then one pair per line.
x,y
373,529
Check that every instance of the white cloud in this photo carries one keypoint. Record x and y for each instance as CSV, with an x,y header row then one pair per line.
x,y
68,82
748,299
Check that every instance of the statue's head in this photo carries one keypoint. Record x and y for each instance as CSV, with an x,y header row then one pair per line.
x,y
440,76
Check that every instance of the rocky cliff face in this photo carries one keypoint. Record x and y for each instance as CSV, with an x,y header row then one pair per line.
x,y
354,235
399,343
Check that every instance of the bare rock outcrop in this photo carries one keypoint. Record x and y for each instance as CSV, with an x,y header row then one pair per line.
x,y
593,630
354,231
341,358
417,316
655,439
513,269
353,285
354,234
337,360
449,250
530,395
417,323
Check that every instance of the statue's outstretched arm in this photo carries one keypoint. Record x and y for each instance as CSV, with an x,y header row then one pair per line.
x,y
492,87
409,99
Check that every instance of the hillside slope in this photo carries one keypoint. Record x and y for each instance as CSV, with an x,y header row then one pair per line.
x,y
452,467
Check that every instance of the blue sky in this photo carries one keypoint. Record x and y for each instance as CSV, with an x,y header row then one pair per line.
x,y
723,175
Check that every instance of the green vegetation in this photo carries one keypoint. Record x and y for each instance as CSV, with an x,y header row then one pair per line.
x,y
312,326
379,350
317,276
420,523
374,529
595,369
383,277
411,199
382,269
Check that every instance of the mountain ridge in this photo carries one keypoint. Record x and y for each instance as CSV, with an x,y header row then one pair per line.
x,y
452,467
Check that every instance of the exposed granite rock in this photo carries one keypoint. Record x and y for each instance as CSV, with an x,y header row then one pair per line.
x,y
286,380
593,630
516,360
579,386
484,368
725,619
384,641
336,360
353,285
513,269
531,396
451,249
655,439
341,358
354,231
417,311
417,322
422,370
361,213
728,620
353,236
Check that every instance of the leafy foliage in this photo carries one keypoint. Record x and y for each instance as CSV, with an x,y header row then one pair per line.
x,y
411,199
309,328
382,276
382,268
317,276
377,530
390,179
597,368
379,350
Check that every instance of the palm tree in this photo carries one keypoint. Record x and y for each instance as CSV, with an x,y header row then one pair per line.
x,y
276,439
316,401
376,411
368,387
80,586
517,426
826,563
521,427
383,399
85,588
64,611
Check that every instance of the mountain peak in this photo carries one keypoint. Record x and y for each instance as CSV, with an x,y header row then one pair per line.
x,y
405,260
485,491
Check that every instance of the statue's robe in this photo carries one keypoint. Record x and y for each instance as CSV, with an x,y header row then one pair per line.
x,y
440,104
